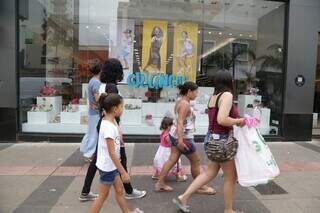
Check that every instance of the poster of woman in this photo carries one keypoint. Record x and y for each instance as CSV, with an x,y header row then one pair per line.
x,y
185,50
154,46
123,48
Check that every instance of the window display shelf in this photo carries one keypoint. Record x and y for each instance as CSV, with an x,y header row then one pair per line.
x,y
143,129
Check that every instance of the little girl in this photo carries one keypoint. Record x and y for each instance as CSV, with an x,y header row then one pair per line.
x,y
108,155
164,151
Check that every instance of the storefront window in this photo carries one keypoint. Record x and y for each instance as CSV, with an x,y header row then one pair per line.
x,y
161,44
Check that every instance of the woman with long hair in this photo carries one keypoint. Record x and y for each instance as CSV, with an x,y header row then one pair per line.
x,y
220,145
181,136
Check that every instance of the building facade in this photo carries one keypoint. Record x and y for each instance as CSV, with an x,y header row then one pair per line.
x,y
47,47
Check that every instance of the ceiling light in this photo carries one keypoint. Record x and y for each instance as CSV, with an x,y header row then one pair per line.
x,y
250,36
220,33
134,41
210,32
87,27
199,32
230,34
240,34
99,27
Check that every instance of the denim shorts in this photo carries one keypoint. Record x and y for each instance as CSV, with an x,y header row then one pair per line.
x,y
188,141
108,178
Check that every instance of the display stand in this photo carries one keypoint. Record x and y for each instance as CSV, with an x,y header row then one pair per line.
x,y
39,117
71,117
245,100
132,116
55,101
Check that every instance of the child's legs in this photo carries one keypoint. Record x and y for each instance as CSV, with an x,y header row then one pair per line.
x,y
103,194
173,159
119,195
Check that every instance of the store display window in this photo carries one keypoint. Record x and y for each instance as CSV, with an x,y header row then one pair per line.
x,y
160,44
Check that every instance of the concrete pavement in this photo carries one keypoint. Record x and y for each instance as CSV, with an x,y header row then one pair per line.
x,y
47,177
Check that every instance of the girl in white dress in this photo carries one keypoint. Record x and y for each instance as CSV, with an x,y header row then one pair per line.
x,y
164,151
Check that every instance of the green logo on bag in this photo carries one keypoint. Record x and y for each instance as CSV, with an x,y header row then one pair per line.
x,y
261,138
257,146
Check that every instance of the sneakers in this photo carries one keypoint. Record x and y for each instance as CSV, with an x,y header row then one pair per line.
x,y
89,197
135,194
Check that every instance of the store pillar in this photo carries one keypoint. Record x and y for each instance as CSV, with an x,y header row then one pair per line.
x,y
8,75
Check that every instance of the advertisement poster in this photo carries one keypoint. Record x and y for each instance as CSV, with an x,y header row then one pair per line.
x,y
123,50
185,50
154,46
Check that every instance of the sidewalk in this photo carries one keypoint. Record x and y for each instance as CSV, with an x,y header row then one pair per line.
x,y
47,177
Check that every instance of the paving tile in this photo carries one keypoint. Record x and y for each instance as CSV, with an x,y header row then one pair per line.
x,y
45,196
43,170
67,171
15,189
282,206
308,205
16,170
161,202
271,188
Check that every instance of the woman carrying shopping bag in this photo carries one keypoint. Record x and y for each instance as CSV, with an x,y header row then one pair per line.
x,y
220,145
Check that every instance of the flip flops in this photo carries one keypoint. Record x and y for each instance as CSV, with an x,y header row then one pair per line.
x,y
180,206
182,178
137,210
163,188
207,191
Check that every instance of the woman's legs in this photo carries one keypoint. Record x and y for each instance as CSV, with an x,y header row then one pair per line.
x,y
127,186
195,164
173,159
92,169
103,194
202,179
90,140
230,177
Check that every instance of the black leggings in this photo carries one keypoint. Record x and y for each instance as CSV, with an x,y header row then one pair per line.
x,y
92,169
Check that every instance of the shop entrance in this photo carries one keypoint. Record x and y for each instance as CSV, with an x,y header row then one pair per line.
x,y
316,107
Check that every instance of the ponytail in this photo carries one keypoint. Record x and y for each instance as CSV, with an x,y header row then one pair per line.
x,y
186,86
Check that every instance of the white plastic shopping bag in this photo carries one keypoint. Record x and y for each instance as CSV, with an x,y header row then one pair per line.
x,y
255,163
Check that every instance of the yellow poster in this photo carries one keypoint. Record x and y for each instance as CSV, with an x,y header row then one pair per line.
x,y
154,46
185,50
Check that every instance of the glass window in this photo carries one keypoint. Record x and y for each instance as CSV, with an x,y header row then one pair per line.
x,y
160,43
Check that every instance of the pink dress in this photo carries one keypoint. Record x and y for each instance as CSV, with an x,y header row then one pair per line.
x,y
163,155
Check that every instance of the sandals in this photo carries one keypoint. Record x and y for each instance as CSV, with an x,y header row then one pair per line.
x,y
163,189
180,206
207,191
137,210
182,178
155,177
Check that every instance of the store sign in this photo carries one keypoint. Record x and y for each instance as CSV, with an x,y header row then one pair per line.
x,y
138,79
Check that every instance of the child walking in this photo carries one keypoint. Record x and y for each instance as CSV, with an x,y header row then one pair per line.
x,y
108,155
164,151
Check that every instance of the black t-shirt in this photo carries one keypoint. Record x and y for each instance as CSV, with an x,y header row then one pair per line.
x,y
110,88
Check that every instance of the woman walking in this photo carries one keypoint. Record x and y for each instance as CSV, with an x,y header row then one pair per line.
x,y
220,145
89,141
182,139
